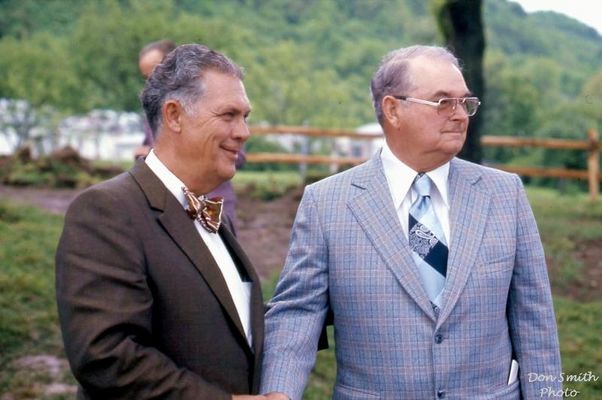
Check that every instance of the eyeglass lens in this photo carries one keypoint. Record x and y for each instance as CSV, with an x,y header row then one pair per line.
x,y
448,106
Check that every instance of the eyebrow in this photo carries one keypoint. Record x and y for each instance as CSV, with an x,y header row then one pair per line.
x,y
234,109
443,93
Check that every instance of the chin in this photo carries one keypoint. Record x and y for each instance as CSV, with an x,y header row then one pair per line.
x,y
452,151
226,174
455,143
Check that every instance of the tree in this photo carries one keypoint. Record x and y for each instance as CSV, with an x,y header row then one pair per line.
x,y
592,97
461,24
35,80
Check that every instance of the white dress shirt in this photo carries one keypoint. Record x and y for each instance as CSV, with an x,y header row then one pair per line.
x,y
400,178
240,291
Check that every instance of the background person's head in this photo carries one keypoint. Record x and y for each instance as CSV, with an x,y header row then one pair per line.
x,y
423,136
152,54
196,103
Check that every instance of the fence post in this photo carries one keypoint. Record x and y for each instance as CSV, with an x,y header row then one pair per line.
x,y
305,150
593,165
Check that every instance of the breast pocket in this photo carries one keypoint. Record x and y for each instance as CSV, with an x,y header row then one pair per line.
x,y
500,265
493,279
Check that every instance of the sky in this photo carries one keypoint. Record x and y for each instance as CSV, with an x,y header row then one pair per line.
x,y
587,11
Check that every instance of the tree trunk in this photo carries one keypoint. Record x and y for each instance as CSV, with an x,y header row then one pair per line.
x,y
460,22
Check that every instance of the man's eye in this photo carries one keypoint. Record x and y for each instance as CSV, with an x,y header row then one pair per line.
x,y
446,103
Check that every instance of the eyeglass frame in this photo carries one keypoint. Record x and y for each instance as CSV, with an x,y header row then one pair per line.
x,y
437,104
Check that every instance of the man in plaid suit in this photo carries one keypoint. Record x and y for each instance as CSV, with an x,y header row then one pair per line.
x,y
476,322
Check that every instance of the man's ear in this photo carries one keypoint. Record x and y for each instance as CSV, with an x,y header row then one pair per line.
x,y
172,115
390,107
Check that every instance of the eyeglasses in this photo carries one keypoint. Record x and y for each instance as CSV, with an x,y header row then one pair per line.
x,y
447,105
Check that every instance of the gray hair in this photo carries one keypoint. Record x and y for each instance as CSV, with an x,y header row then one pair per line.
x,y
392,76
180,77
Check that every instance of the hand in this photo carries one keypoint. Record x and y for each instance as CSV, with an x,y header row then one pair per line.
x,y
248,397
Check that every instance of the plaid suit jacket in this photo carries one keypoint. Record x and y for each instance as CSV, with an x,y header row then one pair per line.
x,y
348,253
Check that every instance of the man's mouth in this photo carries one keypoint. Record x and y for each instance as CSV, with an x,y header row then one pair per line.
x,y
233,151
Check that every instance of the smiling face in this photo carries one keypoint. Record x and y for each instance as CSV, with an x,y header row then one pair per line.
x,y
207,140
417,134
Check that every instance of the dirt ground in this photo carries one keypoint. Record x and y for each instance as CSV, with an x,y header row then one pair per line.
x,y
588,284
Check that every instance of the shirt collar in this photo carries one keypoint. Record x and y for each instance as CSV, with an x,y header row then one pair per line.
x,y
171,182
400,177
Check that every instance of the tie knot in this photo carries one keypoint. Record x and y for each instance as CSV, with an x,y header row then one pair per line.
x,y
422,184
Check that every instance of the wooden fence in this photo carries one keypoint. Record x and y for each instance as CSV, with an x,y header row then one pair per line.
x,y
591,145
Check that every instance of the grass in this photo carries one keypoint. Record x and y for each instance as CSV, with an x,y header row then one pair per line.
x,y
564,223
580,329
28,325
266,185
28,320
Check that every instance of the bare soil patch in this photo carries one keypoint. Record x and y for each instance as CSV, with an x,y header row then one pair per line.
x,y
587,285
54,200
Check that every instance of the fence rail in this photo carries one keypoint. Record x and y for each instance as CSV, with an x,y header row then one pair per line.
x,y
591,145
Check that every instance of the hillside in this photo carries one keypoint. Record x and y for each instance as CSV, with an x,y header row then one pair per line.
x,y
307,62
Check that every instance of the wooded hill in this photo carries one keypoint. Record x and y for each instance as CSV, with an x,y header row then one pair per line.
x,y
307,62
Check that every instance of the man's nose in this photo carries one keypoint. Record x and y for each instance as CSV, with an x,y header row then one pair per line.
x,y
242,130
459,112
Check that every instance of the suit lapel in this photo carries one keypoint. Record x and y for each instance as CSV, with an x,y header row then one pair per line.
x,y
374,211
469,207
173,218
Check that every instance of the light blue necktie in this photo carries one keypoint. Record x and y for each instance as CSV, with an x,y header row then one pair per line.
x,y
427,241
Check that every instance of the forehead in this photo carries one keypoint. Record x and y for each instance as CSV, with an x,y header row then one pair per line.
x,y
430,76
224,89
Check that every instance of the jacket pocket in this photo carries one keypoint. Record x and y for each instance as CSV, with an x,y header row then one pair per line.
x,y
502,264
509,392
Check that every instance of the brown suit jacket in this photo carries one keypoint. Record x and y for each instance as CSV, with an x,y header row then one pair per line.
x,y
144,309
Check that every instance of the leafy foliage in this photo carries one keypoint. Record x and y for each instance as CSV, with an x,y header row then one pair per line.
x,y
307,62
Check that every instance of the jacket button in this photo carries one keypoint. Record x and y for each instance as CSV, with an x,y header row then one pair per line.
x,y
440,394
438,338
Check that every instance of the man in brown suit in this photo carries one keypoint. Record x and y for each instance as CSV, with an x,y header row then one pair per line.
x,y
155,300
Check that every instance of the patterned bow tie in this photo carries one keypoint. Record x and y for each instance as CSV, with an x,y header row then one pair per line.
x,y
207,211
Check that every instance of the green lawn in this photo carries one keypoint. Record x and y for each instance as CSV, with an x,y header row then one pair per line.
x,y
28,321
266,185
